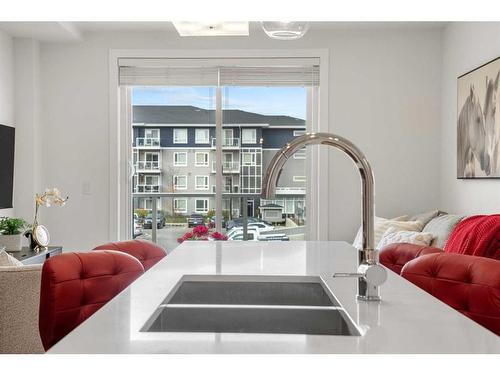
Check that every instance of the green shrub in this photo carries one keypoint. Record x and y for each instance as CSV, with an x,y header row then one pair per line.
x,y
10,225
141,213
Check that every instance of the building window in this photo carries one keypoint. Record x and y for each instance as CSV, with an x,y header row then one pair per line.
x,y
248,158
201,182
152,180
152,133
180,205
201,136
201,206
289,207
297,133
299,178
201,159
249,136
180,182
180,136
180,159
300,154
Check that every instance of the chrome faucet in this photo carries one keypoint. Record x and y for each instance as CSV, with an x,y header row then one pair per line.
x,y
370,273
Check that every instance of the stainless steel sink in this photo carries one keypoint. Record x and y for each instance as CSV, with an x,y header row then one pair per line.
x,y
251,304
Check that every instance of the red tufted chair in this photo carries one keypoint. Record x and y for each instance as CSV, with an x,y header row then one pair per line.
x,y
75,285
147,252
469,284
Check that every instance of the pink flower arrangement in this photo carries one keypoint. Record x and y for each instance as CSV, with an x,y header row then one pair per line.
x,y
202,233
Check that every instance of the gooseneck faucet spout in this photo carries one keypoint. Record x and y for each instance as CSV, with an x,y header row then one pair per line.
x,y
370,274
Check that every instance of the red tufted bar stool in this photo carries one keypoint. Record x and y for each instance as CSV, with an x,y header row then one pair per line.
x,y
75,285
469,284
147,252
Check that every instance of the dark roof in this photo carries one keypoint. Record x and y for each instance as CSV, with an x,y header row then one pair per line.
x,y
186,114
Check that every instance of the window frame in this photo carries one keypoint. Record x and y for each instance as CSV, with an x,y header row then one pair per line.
x,y
196,205
203,141
175,140
176,210
207,157
121,185
205,186
175,162
175,178
254,138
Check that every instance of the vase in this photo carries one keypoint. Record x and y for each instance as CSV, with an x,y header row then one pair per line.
x,y
12,242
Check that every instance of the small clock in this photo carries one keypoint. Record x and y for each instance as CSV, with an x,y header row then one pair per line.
x,y
41,236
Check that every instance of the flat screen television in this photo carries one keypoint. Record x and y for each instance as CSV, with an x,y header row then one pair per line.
x,y
7,139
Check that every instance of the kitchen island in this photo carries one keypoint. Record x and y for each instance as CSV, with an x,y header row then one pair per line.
x,y
407,320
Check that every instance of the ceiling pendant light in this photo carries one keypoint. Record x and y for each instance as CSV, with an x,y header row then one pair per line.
x,y
285,30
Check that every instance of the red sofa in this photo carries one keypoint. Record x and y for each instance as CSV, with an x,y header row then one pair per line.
x,y
469,284
465,274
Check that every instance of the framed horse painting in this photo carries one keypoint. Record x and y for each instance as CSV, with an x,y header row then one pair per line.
x,y
478,122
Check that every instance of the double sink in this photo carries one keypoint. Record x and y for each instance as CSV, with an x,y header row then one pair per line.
x,y
252,304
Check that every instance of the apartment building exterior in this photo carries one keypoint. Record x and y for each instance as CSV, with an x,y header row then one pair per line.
x,y
174,152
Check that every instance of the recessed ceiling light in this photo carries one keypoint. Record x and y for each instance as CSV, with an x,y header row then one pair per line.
x,y
211,28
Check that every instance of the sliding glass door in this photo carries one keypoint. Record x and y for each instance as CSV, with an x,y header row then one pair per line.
x,y
202,138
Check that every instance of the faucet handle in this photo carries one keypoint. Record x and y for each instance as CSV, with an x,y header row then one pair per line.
x,y
374,274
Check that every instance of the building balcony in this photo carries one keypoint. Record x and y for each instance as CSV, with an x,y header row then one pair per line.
x,y
228,167
143,166
235,189
228,143
290,190
139,188
147,142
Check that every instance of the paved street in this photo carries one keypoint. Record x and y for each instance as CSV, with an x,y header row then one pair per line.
x,y
166,237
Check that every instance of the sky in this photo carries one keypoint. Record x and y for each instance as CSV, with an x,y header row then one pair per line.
x,y
288,101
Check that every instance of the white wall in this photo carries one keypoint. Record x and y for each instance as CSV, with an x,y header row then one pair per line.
x,y
6,90
28,127
384,95
465,47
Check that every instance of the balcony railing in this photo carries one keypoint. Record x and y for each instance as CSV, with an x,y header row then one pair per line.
x,y
235,189
227,143
147,188
228,167
147,142
149,166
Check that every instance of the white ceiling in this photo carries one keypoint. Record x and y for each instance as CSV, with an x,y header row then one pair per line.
x,y
74,31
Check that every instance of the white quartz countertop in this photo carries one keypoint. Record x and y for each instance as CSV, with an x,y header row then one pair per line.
x,y
407,320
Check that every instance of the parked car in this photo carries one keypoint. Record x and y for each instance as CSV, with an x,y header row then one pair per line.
x,y
160,221
263,226
137,228
238,222
195,219
211,222
253,234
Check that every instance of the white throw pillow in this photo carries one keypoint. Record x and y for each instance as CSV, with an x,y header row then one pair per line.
x,y
394,235
381,225
7,260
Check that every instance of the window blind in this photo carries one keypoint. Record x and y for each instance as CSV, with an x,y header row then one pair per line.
x,y
223,72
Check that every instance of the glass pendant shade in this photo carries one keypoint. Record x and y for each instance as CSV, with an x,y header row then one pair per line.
x,y
285,30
